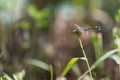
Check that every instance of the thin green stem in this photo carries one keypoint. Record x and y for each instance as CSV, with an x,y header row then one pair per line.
x,y
85,58
51,72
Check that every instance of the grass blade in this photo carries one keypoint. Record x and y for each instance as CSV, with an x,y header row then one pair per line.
x,y
100,60
51,72
38,63
98,47
116,58
105,56
69,66
76,69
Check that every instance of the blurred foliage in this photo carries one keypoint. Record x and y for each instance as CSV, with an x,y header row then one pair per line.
x,y
42,18
10,11
16,76
116,35
25,25
38,63
9,4
117,17
97,41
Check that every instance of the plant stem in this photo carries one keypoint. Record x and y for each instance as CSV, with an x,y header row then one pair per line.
x,y
85,58
51,72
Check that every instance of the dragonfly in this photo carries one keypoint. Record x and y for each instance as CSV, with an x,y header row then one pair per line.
x,y
79,29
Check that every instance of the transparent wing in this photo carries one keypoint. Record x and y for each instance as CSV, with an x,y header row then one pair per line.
x,y
78,28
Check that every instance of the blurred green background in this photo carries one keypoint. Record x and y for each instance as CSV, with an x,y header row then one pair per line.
x,y
37,33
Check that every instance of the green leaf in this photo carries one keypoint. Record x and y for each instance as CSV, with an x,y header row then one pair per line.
x,y
98,47
38,63
19,75
69,66
100,60
33,11
117,17
116,58
25,25
76,69
105,56
4,76
42,17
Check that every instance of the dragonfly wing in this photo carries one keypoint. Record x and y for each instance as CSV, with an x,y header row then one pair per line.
x,y
79,28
